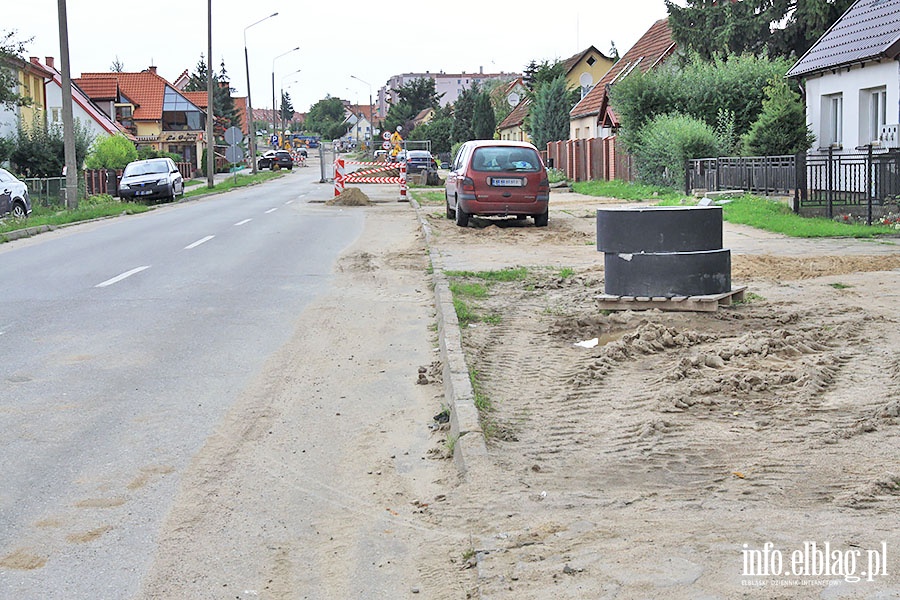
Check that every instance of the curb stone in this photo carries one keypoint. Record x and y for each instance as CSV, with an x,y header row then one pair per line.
x,y
469,450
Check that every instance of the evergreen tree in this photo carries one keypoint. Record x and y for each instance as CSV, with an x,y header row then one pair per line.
x,y
286,112
548,117
463,112
778,27
781,127
484,124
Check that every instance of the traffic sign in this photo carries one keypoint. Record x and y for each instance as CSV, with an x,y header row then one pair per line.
x,y
386,135
386,145
234,154
234,135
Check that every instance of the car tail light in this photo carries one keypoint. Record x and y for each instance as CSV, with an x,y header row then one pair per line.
x,y
544,184
468,184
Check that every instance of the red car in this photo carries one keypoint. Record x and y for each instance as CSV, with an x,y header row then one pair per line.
x,y
497,178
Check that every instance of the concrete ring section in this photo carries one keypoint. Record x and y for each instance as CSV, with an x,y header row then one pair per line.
x,y
659,229
668,274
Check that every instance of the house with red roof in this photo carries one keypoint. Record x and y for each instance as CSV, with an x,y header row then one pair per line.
x,y
581,71
151,109
83,110
851,79
593,117
591,152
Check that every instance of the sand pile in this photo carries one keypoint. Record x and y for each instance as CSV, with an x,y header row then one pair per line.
x,y
350,197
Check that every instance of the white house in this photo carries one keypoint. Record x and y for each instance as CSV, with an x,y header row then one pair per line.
x,y
851,80
83,109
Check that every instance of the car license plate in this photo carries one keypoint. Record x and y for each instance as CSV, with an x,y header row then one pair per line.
x,y
509,182
144,192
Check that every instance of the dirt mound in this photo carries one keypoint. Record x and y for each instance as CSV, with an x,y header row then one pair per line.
x,y
350,197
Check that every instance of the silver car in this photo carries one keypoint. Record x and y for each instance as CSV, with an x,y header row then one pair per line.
x,y
151,179
14,199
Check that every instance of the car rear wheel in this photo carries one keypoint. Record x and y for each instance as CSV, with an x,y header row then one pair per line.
x,y
462,217
542,219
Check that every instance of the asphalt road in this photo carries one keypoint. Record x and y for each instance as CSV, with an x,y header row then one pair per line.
x,y
122,344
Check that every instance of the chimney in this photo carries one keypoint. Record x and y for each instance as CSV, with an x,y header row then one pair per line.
x,y
49,61
34,60
481,70
152,70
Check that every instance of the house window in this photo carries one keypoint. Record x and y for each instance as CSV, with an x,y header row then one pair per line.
x,y
591,61
55,115
179,114
872,114
833,120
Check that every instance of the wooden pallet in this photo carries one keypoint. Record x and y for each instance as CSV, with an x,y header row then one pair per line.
x,y
710,303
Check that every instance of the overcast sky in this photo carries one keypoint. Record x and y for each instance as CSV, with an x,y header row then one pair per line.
x,y
371,40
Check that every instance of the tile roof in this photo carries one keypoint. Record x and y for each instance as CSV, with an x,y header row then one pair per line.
x,y
99,88
654,46
198,99
517,117
82,99
870,29
145,89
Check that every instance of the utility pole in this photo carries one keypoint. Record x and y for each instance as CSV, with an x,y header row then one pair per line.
x,y
67,116
210,110
251,128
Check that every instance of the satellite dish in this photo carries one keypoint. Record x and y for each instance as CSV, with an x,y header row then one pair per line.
x,y
513,99
586,79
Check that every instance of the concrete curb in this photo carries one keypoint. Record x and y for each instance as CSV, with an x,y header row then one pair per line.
x,y
469,449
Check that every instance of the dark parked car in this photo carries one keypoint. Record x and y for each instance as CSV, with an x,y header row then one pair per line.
x,y
275,159
14,199
419,160
497,178
151,179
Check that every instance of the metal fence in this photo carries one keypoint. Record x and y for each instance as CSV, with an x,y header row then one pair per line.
x,y
49,191
775,175
820,183
852,180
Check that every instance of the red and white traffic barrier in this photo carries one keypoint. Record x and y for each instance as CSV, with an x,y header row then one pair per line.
x,y
338,176
402,182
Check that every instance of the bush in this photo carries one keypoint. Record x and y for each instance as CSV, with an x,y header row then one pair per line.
x,y
111,152
666,143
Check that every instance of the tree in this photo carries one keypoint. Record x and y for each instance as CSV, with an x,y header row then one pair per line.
x,y
781,127
11,52
484,125
225,112
413,97
111,152
437,130
40,152
326,118
117,65
463,112
779,27
700,89
548,116
666,143
286,112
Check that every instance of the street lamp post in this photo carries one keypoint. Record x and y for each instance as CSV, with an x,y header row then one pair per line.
x,y
274,124
371,114
281,97
251,129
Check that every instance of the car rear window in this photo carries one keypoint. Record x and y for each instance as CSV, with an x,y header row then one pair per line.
x,y
503,158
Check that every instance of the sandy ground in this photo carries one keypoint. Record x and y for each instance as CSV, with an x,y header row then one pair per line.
x,y
660,463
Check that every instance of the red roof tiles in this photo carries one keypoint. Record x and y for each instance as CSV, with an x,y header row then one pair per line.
x,y
653,48
145,89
